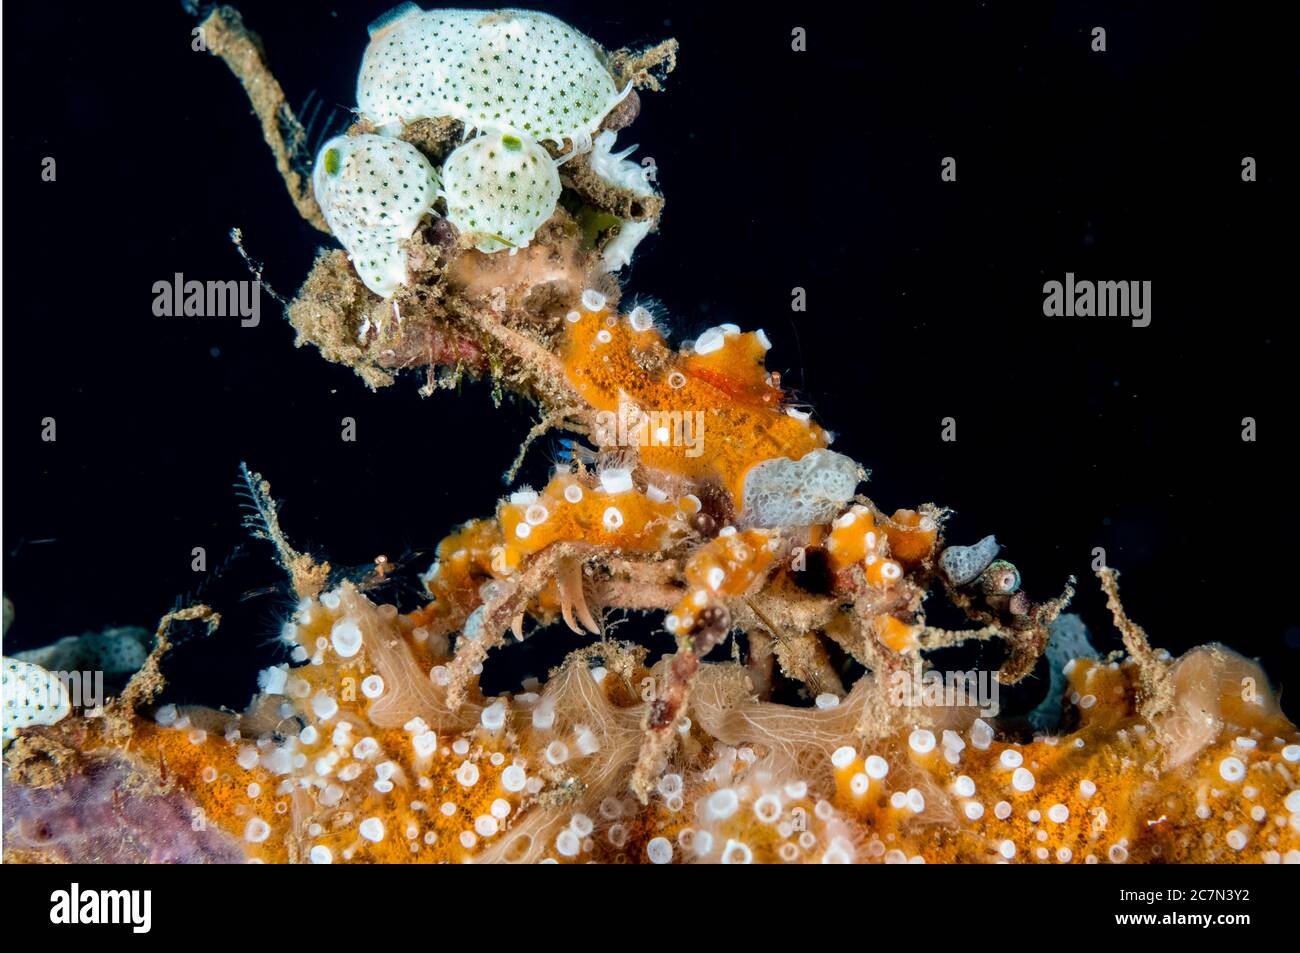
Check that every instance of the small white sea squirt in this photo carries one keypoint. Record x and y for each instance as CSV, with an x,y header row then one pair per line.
x,y
500,189
509,71
616,169
374,191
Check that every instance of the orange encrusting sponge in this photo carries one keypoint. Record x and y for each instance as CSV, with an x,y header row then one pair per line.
x,y
728,412
725,567
912,536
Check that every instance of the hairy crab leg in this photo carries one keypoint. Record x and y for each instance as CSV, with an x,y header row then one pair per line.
x,y
487,626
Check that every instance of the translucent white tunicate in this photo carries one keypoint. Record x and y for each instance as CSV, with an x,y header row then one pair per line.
x,y
619,171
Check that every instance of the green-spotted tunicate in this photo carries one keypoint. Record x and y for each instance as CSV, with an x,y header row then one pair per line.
x,y
515,71
374,191
500,189
32,696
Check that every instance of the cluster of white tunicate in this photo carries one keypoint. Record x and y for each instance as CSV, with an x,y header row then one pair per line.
x,y
515,79
32,696
736,794
374,191
616,169
804,492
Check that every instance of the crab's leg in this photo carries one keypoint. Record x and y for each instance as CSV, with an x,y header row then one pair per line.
x,y
494,619
572,598
666,710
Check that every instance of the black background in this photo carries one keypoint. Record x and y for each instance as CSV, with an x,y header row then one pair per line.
x,y
817,169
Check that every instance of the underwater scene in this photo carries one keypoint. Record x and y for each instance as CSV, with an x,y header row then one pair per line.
x,y
674,434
